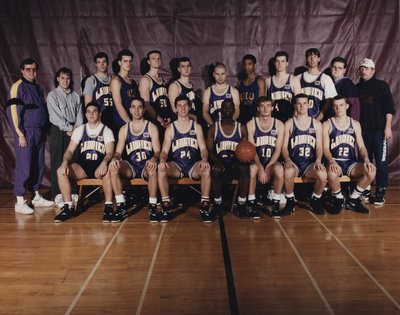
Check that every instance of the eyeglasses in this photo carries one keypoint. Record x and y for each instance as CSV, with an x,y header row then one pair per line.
x,y
30,69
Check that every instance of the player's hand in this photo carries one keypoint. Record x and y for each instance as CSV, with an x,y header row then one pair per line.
x,y
101,170
204,166
151,165
387,133
334,167
318,166
218,166
22,143
289,164
69,133
64,169
262,176
163,166
369,167
114,164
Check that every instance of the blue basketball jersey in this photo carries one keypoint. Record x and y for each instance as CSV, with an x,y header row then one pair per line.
x,y
128,92
102,93
265,141
185,148
248,99
302,145
342,144
159,98
216,101
190,94
283,96
92,149
138,146
225,145
315,93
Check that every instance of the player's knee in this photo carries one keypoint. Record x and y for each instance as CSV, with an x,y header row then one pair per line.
x,y
253,170
321,175
332,175
290,173
215,174
244,169
278,170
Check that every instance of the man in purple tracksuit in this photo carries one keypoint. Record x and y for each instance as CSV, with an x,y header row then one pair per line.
x,y
27,115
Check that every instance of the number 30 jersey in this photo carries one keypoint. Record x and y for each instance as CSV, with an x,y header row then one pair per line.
x,y
302,144
265,141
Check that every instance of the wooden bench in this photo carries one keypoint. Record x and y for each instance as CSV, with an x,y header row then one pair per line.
x,y
141,182
300,180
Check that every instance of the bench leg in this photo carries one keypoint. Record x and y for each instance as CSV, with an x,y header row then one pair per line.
x,y
79,205
234,195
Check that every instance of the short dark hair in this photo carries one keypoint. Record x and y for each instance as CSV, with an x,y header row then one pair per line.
x,y
281,54
181,98
249,57
28,61
312,51
64,70
97,105
300,95
227,100
184,59
263,99
100,55
124,52
339,59
340,97
137,98
153,52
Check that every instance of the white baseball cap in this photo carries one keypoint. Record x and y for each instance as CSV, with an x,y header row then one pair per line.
x,y
367,63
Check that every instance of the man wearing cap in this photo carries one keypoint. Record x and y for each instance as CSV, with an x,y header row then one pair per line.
x,y
377,109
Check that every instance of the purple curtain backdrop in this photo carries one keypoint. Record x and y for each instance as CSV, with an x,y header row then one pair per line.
x,y
70,33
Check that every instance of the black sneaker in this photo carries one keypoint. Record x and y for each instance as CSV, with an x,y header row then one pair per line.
x,y
217,210
288,209
275,212
243,212
338,205
120,214
366,194
108,213
253,210
153,214
166,211
355,205
205,211
65,214
379,196
316,206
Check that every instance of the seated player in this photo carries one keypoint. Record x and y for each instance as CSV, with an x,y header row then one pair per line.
x,y
189,158
222,139
302,151
266,133
139,139
96,148
340,136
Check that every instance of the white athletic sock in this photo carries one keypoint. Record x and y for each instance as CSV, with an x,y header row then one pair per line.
x,y
251,197
241,200
120,198
315,195
37,195
276,196
357,192
108,203
337,194
218,201
289,195
20,200
152,201
69,203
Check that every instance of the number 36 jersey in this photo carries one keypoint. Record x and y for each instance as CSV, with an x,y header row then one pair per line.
x,y
265,141
302,144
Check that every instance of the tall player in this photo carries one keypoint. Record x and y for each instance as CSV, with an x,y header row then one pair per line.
x,y
183,86
139,140
95,143
97,88
153,90
282,87
250,89
302,151
215,94
316,85
123,90
189,158
266,133
222,139
341,134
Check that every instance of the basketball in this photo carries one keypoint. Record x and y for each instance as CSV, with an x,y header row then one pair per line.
x,y
245,151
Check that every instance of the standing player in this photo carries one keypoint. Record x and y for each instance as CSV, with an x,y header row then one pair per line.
x,y
282,87
302,151
266,133
123,90
222,139
153,90
250,89
189,158
215,94
345,87
27,115
139,139
95,143
316,85
97,88
183,86
340,136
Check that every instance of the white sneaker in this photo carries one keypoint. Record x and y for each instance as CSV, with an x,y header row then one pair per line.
x,y
59,202
41,202
24,208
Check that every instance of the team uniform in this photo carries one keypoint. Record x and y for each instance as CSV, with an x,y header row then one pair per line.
x,y
190,94
248,100
283,96
27,114
225,145
342,146
138,149
265,141
317,88
216,102
302,146
185,150
128,92
159,99
99,89
92,146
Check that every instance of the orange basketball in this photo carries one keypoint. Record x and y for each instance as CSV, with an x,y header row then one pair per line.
x,y
245,151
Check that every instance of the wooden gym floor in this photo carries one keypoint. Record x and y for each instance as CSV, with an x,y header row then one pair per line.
x,y
301,264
